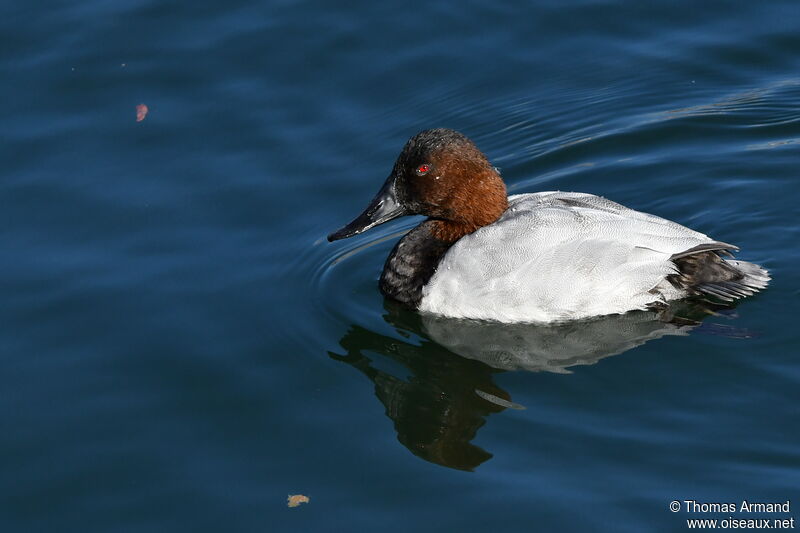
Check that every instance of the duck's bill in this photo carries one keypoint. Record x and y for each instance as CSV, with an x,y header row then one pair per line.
x,y
383,208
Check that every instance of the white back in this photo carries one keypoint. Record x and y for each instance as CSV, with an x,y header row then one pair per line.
x,y
557,256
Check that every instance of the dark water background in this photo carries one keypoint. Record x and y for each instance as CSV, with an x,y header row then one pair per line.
x,y
180,348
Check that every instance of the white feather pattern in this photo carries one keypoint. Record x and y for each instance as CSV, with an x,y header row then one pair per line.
x,y
556,256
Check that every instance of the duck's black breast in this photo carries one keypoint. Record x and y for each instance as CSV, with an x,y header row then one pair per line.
x,y
411,264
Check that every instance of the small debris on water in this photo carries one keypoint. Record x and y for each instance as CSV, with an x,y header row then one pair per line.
x,y
499,401
141,112
296,499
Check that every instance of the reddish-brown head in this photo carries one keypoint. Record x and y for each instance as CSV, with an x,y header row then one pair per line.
x,y
441,174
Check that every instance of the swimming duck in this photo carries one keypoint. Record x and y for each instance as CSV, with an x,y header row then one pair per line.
x,y
538,257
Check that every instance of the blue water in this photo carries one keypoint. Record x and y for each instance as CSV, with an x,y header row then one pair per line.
x,y
180,348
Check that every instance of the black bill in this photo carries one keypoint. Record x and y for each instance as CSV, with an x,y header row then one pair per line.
x,y
383,208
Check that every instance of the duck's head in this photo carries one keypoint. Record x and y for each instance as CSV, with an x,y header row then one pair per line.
x,y
440,174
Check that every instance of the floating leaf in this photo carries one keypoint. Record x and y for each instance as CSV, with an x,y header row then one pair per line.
x,y
141,112
296,499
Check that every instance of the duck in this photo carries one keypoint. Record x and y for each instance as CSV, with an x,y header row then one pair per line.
x,y
541,257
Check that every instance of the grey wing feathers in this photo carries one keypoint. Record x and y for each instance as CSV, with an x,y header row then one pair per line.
x,y
716,246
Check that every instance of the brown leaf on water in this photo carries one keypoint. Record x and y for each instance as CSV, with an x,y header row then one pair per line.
x,y
141,112
296,499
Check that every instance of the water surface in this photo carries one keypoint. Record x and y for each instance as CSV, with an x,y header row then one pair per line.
x,y
181,348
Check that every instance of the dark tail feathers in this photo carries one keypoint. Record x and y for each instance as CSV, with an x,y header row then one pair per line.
x,y
702,270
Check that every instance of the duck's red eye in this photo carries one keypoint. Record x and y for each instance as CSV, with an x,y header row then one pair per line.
x,y
423,169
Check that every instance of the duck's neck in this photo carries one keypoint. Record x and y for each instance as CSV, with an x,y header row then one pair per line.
x,y
416,256
412,263
468,209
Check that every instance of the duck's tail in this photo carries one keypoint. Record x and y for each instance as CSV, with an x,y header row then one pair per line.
x,y
752,278
703,271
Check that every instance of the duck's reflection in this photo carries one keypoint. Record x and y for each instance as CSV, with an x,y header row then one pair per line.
x,y
435,409
448,392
